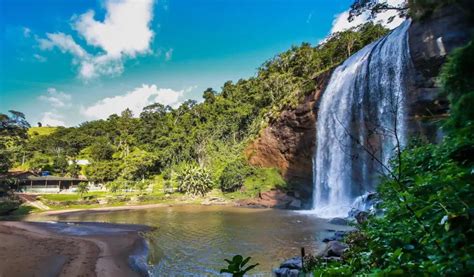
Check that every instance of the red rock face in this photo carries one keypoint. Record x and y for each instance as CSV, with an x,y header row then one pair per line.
x,y
288,142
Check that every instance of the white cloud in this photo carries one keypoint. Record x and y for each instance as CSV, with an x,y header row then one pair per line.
x,y
64,42
57,99
134,100
169,54
52,119
341,22
124,33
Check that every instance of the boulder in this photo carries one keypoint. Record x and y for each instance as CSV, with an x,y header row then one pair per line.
x,y
281,272
338,221
361,217
334,249
295,204
293,263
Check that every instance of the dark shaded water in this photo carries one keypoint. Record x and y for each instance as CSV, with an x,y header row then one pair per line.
x,y
194,240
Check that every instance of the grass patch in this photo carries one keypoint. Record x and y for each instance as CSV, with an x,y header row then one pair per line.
x,y
72,197
41,131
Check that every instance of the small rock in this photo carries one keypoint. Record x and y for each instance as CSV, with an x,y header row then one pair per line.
x,y
295,204
286,272
293,273
334,249
361,217
281,272
338,221
293,263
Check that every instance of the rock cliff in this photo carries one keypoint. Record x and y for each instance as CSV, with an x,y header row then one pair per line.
x,y
288,142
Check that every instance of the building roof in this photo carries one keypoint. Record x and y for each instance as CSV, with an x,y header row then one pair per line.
x,y
52,178
32,176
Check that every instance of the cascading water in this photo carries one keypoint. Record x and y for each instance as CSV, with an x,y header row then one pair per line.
x,y
361,121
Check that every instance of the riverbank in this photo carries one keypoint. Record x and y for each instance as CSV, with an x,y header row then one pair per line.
x,y
68,249
66,203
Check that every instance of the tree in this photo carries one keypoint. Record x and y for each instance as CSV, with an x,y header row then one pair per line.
x,y
101,150
73,169
82,188
138,164
102,172
13,132
209,95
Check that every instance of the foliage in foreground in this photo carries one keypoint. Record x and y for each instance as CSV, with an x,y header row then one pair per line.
x,y
427,227
236,266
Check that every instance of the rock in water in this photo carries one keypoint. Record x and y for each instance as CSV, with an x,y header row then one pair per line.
x,y
293,263
334,249
338,221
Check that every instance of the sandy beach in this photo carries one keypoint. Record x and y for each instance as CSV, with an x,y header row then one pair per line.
x,y
85,249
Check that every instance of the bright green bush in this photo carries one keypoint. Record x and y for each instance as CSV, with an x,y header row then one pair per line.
x,y
263,179
194,180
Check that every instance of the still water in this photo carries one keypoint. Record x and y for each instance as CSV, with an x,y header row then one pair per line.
x,y
194,240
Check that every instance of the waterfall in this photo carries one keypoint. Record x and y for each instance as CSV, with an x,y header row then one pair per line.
x,y
359,112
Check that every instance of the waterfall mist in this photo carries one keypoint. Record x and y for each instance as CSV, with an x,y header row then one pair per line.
x,y
361,119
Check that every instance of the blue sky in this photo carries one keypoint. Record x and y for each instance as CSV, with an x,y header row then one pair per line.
x,y
65,62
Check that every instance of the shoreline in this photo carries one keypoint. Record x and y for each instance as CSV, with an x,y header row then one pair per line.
x,y
68,249
125,208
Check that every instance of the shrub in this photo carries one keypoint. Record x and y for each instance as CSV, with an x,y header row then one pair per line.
x,y
82,188
263,179
233,176
8,206
194,180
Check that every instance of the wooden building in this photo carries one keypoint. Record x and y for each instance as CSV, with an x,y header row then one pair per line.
x,y
27,181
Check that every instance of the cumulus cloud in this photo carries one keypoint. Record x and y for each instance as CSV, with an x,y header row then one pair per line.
x,y
388,18
52,119
57,99
124,33
134,100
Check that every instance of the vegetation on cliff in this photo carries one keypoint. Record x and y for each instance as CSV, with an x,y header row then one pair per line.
x,y
426,226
